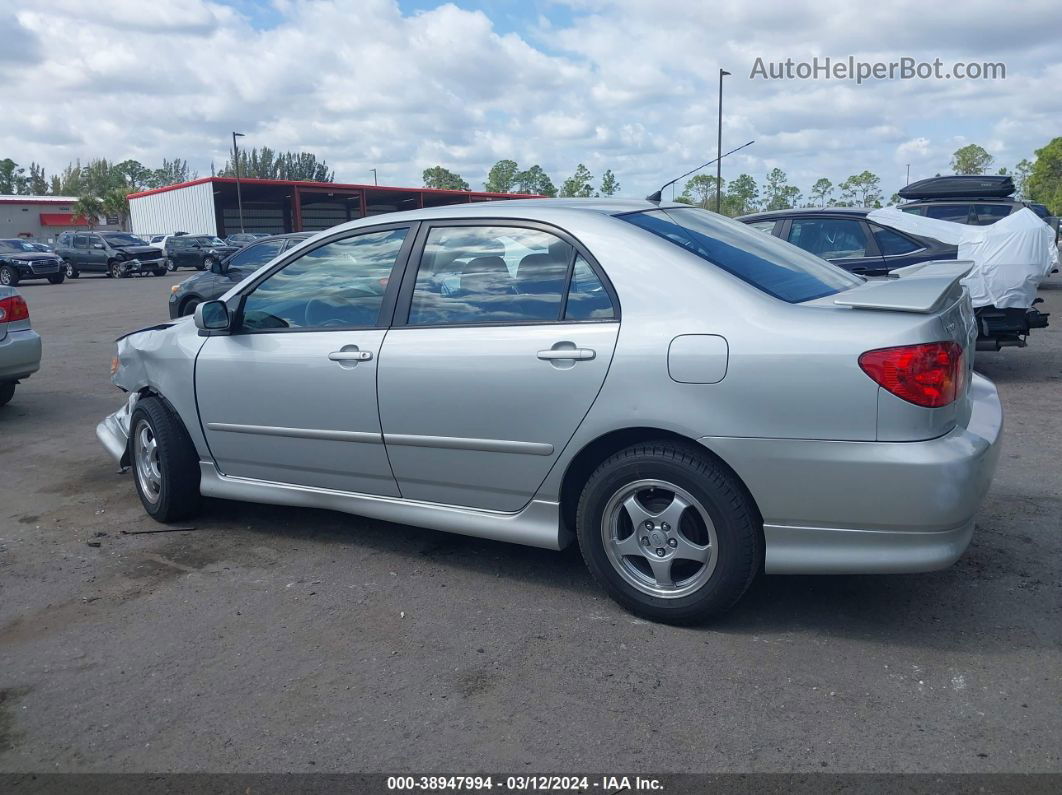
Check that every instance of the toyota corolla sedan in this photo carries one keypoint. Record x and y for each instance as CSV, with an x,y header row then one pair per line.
x,y
691,400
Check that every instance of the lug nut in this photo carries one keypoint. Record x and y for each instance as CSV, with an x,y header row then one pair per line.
x,y
665,527
672,542
660,552
648,525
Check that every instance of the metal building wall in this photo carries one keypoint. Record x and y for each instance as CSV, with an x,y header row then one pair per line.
x,y
189,209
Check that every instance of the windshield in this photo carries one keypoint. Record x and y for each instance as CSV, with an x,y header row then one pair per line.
x,y
772,265
207,240
16,245
116,239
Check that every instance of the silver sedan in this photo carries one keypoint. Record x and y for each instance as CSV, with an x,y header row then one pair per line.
x,y
20,346
689,399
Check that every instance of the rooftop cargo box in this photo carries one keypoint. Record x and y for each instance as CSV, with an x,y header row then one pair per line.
x,y
976,187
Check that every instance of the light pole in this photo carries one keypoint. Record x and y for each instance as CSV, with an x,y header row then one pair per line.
x,y
719,148
374,182
908,173
236,163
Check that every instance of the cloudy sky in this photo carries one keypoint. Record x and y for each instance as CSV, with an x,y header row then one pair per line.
x,y
623,84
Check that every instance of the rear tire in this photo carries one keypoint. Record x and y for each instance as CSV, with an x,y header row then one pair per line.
x,y
705,543
57,278
8,276
7,391
164,462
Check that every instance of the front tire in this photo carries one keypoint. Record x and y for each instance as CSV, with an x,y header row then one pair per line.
x,y
669,532
57,278
7,391
207,263
171,266
8,276
165,463
188,307
71,271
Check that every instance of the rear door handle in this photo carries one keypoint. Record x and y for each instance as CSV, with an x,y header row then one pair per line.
x,y
567,353
350,356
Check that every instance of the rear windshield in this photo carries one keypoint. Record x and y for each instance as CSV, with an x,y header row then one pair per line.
x,y
772,265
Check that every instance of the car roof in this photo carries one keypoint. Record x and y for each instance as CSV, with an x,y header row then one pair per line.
x,y
853,211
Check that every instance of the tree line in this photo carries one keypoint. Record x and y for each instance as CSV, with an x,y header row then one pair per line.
x,y
1037,180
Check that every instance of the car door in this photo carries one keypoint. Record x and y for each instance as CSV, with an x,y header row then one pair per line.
x,y
842,241
91,252
503,335
290,395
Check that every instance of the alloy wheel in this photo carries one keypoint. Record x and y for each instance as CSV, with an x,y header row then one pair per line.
x,y
146,459
659,538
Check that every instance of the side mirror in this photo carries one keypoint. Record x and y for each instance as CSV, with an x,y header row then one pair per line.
x,y
218,267
97,245
212,317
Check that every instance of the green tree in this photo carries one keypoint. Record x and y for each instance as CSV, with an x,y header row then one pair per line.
x,y
171,173
88,207
535,181
502,177
37,182
1044,184
821,191
115,203
56,185
1021,178
895,198
609,184
971,159
579,185
742,195
133,174
701,190
443,179
12,177
861,190
778,193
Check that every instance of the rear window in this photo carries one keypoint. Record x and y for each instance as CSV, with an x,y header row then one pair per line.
x,y
772,265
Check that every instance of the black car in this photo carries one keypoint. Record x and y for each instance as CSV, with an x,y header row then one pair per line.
x,y
21,260
196,251
845,237
243,238
115,254
224,275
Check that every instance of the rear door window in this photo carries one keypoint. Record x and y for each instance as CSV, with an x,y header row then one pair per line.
x,y
256,254
829,238
767,263
985,214
956,213
892,243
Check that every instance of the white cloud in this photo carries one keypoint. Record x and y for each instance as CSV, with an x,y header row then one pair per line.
x,y
626,84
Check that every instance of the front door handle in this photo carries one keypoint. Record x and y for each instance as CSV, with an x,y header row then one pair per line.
x,y
350,356
581,354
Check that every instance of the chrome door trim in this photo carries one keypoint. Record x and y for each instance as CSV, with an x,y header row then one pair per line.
x,y
537,524
462,443
297,433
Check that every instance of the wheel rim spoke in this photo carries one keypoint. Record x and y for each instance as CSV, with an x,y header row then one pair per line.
x,y
661,571
687,550
672,514
629,545
637,513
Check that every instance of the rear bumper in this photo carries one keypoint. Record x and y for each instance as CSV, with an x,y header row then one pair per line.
x,y
870,507
20,355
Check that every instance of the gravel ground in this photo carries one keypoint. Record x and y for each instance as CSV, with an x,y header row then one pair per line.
x,y
272,639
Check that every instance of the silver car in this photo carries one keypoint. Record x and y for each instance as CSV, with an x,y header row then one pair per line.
x,y
20,346
690,399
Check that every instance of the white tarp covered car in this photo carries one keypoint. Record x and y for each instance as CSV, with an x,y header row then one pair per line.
x,y
1011,258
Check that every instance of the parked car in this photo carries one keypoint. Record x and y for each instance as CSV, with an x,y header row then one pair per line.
x,y
462,368
225,275
843,236
20,346
21,260
243,238
115,254
972,200
195,251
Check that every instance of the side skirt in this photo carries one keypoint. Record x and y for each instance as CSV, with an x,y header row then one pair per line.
x,y
537,525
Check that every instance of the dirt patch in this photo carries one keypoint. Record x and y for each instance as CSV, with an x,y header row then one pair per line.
x,y
8,735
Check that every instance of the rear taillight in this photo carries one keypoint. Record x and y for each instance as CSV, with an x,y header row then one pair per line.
x,y
930,375
13,308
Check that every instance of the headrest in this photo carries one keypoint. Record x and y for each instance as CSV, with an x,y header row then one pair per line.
x,y
485,265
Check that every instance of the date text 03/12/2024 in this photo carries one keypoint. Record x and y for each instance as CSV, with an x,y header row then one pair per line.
x,y
523,783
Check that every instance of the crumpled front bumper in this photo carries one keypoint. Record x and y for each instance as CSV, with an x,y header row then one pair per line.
x,y
113,431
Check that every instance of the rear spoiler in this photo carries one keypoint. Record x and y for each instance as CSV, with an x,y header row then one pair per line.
x,y
919,288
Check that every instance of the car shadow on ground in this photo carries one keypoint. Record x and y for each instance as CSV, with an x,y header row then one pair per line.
x,y
956,609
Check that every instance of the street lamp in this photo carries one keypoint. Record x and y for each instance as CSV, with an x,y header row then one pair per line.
x,y
374,182
236,162
719,148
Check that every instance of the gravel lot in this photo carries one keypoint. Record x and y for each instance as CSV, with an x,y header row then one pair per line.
x,y
272,639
